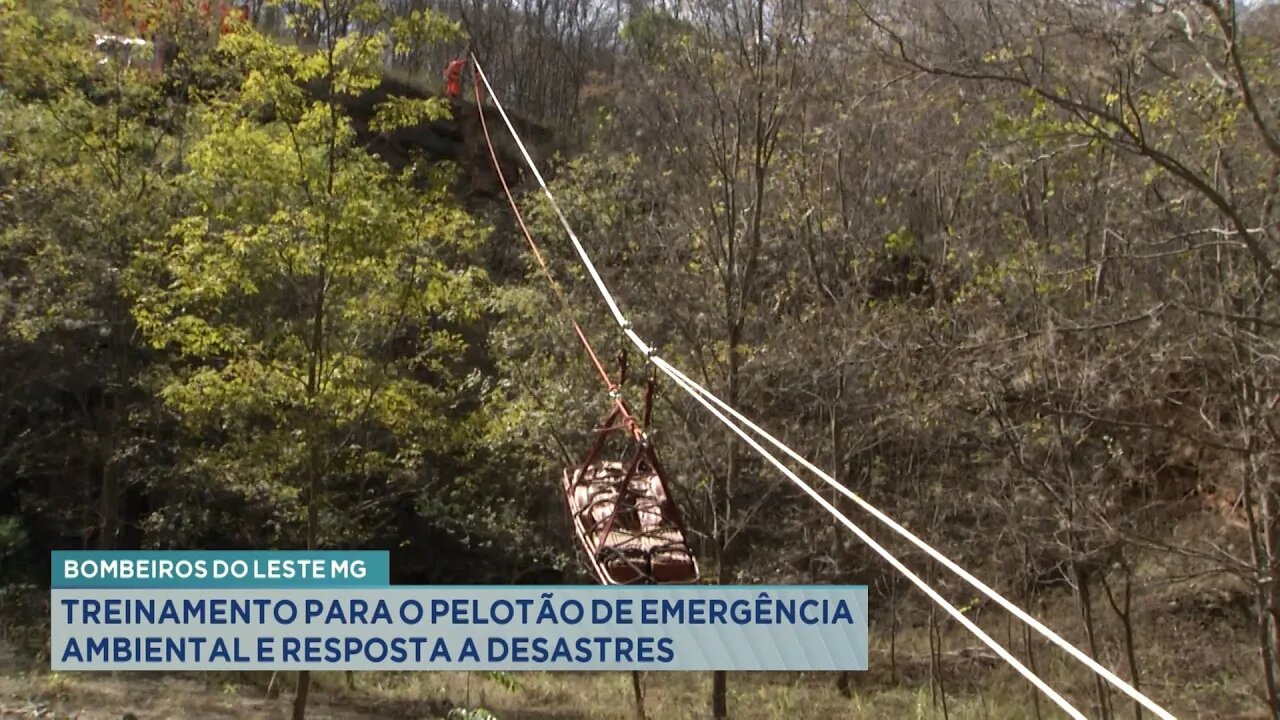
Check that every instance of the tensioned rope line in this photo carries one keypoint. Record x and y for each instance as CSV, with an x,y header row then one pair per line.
x,y
951,565
615,393
703,394
685,384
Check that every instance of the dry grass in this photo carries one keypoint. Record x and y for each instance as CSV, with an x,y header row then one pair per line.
x,y
681,696
103,696
976,691
530,696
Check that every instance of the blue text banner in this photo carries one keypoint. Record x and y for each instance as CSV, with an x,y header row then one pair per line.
x,y
186,569
581,628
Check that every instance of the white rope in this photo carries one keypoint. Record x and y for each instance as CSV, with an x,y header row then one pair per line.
x,y
877,548
946,562
703,396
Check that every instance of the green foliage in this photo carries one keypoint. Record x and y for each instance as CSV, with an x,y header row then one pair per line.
x,y
653,31
300,275
399,112
420,27
44,46
222,303
899,241
24,624
12,535
84,158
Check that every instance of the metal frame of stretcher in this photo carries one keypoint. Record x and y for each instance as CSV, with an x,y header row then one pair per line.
x,y
629,524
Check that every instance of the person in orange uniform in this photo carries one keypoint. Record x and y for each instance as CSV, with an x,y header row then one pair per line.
x,y
453,78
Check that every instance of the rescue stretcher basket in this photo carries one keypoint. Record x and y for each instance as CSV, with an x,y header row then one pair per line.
x,y
625,517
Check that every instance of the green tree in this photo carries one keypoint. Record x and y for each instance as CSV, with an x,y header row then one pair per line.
x,y
84,149
309,293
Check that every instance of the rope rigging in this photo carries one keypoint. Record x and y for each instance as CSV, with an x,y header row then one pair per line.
x,y
684,383
723,412
622,511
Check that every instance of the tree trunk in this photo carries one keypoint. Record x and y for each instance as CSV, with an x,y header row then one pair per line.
x,y
314,466
1263,593
1269,549
843,685
1123,611
936,680
1084,590
893,630
313,520
719,695
1027,598
724,504
719,678
110,508
637,687
838,468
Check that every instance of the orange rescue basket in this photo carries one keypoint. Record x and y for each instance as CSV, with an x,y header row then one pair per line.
x,y
623,512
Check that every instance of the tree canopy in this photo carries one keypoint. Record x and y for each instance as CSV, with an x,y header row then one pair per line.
x,y
1007,269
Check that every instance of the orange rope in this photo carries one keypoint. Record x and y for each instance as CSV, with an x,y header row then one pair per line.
x,y
610,385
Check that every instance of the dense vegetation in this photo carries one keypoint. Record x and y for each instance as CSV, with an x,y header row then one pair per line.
x,y
1011,270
